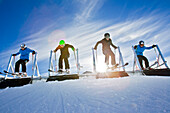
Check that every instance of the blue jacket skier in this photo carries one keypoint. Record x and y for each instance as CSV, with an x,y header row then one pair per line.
x,y
24,58
139,49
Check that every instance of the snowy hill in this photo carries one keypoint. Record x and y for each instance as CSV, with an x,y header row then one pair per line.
x,y
139,94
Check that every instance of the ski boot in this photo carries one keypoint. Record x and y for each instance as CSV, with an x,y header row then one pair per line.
x,y
114,66
60,71
24,74
67,71
16,73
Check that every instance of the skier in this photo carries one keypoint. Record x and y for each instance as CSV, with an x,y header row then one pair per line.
x,y
24,58
139,49
64,55
106,42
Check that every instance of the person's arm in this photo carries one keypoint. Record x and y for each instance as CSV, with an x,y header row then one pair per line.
x,y
30,50
95,47
113,44
135,47
72,47
57,48
16,53
149,47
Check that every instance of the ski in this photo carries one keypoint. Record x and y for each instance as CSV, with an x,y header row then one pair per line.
x,y
123,65
2,73
51,70
8,74
14,74
152,65
156,66
113,68
59,72
161,64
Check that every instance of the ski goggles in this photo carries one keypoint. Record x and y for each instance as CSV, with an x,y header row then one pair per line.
x,y
107,36
22,46
142,43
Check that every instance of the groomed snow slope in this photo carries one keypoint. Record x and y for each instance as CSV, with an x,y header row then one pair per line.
x,y
118,95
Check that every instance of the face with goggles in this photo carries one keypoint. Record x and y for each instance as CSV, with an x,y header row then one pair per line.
x,y
22,46
141,44
107,37
62,45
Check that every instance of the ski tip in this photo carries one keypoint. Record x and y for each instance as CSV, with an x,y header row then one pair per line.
x,y
127,63
5,71
48,69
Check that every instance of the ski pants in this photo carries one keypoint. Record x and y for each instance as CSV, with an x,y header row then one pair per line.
x,y
107,54
141,58
23,63
65,61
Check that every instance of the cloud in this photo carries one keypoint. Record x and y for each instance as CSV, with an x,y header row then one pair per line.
x,y
87,9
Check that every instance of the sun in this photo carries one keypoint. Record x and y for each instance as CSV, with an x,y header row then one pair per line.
x,y
100,65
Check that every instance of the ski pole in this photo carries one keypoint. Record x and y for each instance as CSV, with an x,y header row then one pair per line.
x,y
55,62
96,56
75,60
94,63
14,62
32,62
78,63
156,56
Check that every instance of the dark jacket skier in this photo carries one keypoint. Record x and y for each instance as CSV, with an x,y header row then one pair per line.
x,y
106,43
139,49
64,55
24,58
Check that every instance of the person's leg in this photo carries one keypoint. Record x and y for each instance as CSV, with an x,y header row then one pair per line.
x,y
113,62
66,63
107,59
23,62
146,62
140,60
17,65
60,63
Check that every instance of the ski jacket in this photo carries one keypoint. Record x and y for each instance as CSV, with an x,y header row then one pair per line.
x,y
105,44
139,50
24,54
64,50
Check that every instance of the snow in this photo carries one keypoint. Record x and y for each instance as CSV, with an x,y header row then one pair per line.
x,y
133,94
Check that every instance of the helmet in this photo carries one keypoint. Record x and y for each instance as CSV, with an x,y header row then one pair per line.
x,y
23,45
141,42
106,34
62,42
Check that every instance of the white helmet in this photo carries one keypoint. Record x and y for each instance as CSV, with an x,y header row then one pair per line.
x,y
23,45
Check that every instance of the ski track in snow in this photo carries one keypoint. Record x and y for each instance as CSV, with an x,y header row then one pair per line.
x,y
117,95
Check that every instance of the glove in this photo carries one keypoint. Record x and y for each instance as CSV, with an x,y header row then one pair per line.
x,y
95,48
13,54
73,48
153,46
26,61
135,46
33,52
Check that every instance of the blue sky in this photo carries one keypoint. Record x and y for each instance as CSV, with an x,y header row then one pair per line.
x,y
42,23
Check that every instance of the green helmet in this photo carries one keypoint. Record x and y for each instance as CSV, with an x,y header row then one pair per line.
x,y
62,42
